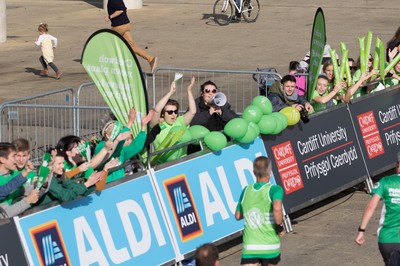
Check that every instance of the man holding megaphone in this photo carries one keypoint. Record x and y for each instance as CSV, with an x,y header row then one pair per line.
x,y
213,110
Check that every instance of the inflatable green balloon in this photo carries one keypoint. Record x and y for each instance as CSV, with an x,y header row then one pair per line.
x,y
215,140
198,131
267,124
282,118
279,126
263,103
252,113
250,135
236,128
292,114
186,137
255,127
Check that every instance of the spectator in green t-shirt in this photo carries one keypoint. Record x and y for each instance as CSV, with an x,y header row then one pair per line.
x,y
166,114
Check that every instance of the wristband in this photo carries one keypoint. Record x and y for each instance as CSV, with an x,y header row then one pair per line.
x,y
360,230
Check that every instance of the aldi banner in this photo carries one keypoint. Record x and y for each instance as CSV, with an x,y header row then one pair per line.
x,y
114,68
123,225
315,160
377,123
200,195
11,252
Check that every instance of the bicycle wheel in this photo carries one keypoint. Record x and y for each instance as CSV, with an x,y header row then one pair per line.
x,y
222,12
251,9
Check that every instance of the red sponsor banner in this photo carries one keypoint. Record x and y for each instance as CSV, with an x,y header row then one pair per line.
x,y
370,134
287,167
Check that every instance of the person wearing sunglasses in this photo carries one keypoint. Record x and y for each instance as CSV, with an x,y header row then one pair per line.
x,y
209,115
166,114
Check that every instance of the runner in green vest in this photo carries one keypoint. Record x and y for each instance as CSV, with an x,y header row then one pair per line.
x,y
387,189
260,205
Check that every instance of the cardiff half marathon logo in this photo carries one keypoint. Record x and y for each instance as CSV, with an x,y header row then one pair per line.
x,y
184,209
370,134
49,244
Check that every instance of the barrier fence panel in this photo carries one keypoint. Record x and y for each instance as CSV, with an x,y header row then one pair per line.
x,y
239,86
41,125
122,225
11,251
200,194
377,123
316,160
90,121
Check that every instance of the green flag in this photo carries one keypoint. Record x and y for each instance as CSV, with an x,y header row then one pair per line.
x,y
318,41
115,70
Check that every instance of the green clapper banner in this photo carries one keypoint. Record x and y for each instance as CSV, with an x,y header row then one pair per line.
x,y
318,41
115,70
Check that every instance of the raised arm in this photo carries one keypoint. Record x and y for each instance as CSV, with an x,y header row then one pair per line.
x,y
188,116
330,95
354,88
160,105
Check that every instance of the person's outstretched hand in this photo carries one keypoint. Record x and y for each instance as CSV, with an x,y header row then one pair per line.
x,y
147,119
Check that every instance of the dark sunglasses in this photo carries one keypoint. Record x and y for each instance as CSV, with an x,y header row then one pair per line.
x,y
170,112
208,90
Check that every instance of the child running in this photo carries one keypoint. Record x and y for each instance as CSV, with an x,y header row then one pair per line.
x,y
47,42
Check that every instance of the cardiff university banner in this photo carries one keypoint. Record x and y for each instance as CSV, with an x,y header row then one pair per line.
x,y
318,40
113,67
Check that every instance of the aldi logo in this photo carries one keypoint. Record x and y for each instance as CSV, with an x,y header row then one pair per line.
x,y
49,244
184,209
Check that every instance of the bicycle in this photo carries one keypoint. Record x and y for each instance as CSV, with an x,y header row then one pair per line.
x,y
223,10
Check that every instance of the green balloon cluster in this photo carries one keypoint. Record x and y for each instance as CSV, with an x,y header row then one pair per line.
x,y
215,140
292,114
252,132
267,124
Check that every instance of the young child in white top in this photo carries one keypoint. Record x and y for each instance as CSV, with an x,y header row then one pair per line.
x,y
48,43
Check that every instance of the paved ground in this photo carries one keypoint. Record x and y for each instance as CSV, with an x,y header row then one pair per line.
x,y
183,34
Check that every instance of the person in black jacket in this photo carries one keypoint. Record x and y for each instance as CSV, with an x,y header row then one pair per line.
x,y
211,116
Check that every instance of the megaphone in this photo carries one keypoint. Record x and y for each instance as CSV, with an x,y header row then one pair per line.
x,y
219,99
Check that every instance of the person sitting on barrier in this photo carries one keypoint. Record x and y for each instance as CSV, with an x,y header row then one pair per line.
x,y
207,255
166,114
283,94
386,189
296,70
62,188
321,98
208,114
29,195
261,202
130,147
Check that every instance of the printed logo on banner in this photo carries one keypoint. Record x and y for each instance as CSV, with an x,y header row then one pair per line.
x,y
370,134
185,213
287,167
49,244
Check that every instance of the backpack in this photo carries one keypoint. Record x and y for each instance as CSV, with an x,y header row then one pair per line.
x,y
265,80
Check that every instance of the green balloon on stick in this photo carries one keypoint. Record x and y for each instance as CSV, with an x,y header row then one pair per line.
x,y
186,137
250,135
282,118
236,128
292,114
215,140
263,103
267,124
252,113
198,131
